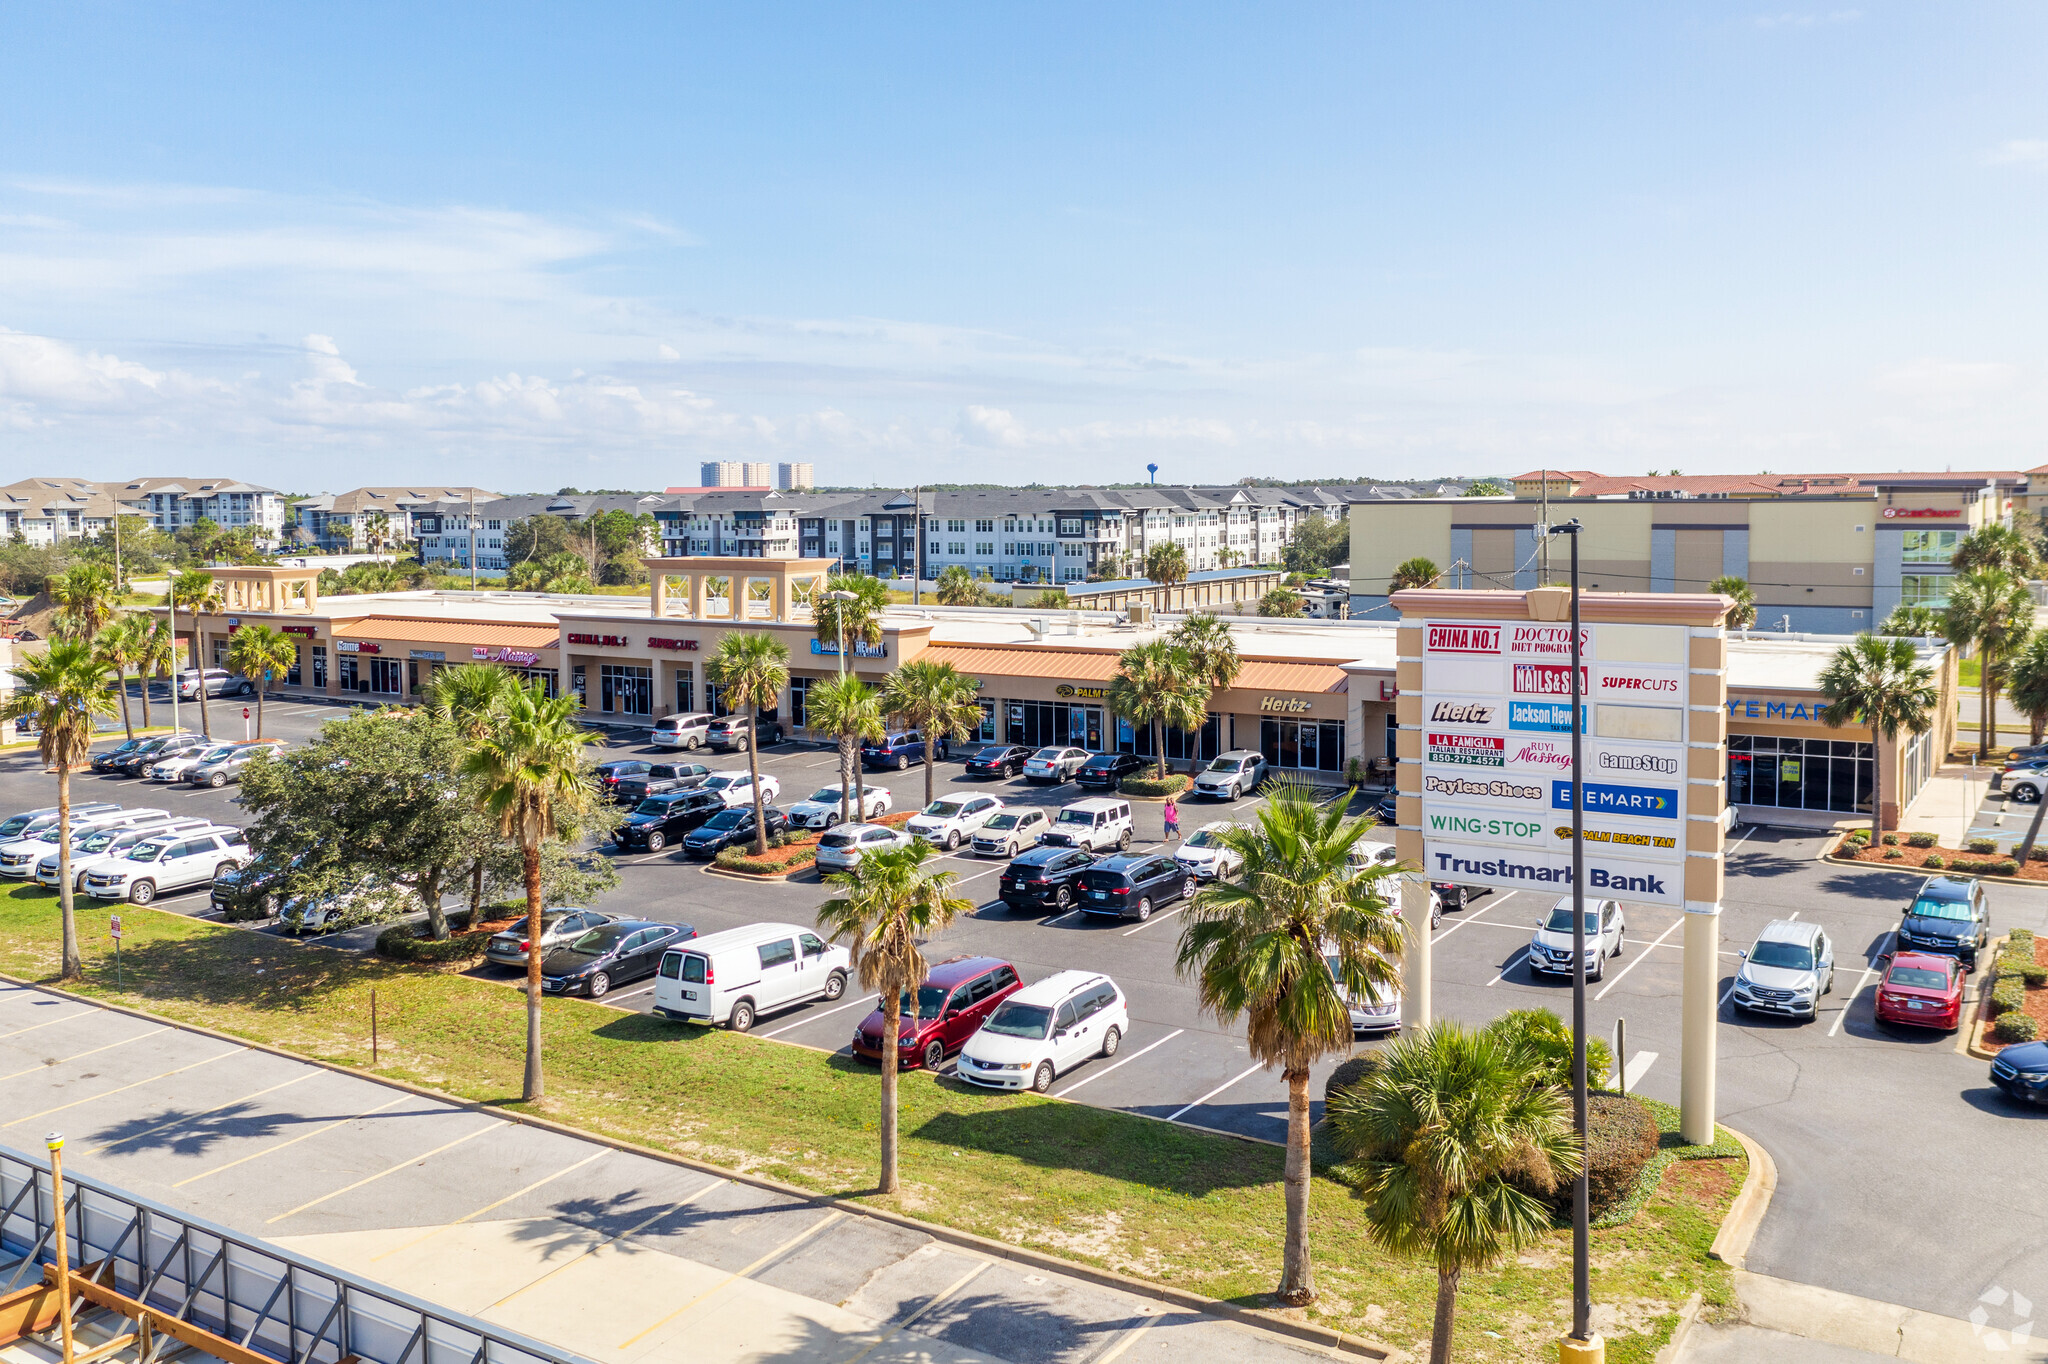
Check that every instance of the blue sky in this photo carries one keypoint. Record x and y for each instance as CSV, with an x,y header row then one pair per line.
x,y
533,246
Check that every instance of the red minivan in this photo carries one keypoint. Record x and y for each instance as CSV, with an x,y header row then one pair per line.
x,y
950,1007
1924,989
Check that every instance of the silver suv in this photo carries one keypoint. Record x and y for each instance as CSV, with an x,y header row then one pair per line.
x,y
1606,934
1229,775
1786,970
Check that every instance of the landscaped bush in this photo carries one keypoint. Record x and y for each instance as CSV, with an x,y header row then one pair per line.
x,y
1935,860
1892,854
2015,1027
1621,1136
2005,866
2008,993
2039,854
1982,845
778,861
1919,840
1351,1074
1171,785
1548,1040
402,942
1891,840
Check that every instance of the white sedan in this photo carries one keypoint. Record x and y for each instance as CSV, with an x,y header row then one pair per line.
x,y
737,788
1205,855
821,809
949,820
1054,764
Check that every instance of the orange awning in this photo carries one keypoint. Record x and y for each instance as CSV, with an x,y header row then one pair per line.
x,y
472,633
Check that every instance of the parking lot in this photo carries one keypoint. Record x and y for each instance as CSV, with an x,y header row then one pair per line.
x,y
1878,1134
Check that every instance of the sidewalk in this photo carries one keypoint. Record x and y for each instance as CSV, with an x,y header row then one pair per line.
x,y
1796,1323
1947,805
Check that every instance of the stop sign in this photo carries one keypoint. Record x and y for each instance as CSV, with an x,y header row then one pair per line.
x,y
245,712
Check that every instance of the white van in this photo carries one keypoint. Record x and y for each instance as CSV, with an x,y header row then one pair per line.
x,y
736,976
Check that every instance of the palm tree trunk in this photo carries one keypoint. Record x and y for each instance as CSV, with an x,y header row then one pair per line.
x,y
1297,1276
529,848
860,781
142,674
892,1029
70,968
199,666
928,744
1991,707
121,685
754,777
262,685
1159,748
845,779
476,891
1446,1312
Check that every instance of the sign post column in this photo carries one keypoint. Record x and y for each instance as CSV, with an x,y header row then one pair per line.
x,y
1705,870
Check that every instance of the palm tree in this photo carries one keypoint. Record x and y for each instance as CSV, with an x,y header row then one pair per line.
x,y
751,669
1743,614
63,690
1228,557
891,905
1994,611
262,653
1212,652
1283,945
857,619
2027,683
197,592
1918,622
471,697
1167,564
938,701
1157,685
851,712
1446,1136
156,653
1999,547
115,647
958,587
531,775
1419,571
87,600
1883,684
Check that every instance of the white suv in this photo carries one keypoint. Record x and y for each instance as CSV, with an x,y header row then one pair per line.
x,y
1011,832
1230,775
950,819
1204,853
169,861
821,810
1096,823
1606,934
1046,1029
104,845
737,788
19,858
846,844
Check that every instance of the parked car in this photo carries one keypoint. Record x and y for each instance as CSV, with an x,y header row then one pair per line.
x,y
219,682
1108,770
167,862
1380,1012
1229,775
681,731
2021,1071
1206,855
28,821
733,733
899,750
844,845
1011,832
1387,807
998,760
1921,990
730,827
1785,971
113,759
170,770
663,818
1951,914
1368,852
738,975
1452,896
950,819
616,953
1046,1029
660,777
1550,951
105,844
508,946
609,775
2024,785
1054,764
821,810
1043,876
368,900
145,756
19,857
250,885
737,788
1132,885
218,771
957,997
1096,823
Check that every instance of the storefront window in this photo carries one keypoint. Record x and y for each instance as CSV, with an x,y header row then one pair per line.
x,y
348,668
386,676
1928,546
626,689
1181,745
320,666
1039,723
1801,774
579,682
549,679
1924,589
291,676
986,731
714,698
1306,744
686,687
799,688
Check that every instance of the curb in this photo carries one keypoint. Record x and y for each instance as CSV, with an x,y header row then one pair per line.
x,y
709,869
1746,1213
1687,1315
1973,1036
1335,1341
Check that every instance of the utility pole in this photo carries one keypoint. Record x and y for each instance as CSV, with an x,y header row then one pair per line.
x,y
472,539
1543,540
171,599
917,546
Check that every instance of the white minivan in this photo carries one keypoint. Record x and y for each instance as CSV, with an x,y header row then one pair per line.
x,y
736,976
681,731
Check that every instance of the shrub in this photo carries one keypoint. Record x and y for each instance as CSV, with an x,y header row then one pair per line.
x,y
1891,840
1935,860
2005,866
402,942
1893,853
1982,845
2039,854
2015,1028
1920,840
743,860
1859,835
1350,1074
1621,1136
1172,785
2008,994
1548,1040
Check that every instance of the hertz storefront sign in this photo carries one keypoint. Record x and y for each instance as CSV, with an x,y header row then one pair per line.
x,y
1286,705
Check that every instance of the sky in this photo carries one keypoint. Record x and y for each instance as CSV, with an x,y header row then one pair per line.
x,y
528,246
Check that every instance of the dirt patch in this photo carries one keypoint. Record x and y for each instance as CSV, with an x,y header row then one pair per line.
x,y
1704,1182
1100,1238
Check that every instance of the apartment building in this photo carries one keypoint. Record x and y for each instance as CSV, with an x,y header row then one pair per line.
x,y
443,529
1828,553
43,511
795,478
378,519
171,504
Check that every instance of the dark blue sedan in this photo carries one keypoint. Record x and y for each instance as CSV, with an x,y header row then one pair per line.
x,y
2022,1071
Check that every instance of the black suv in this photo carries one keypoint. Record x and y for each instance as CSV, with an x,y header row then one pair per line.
x,y
1132,885
666,816
998,760
659,777
1108,769
730,828
1950,915
113,758
1044,876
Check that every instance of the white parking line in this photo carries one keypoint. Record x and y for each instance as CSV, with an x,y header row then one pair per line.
x,y
1861,981
1638,1066
812,1018
627,994
1509,967
1048,923
1479,917
1640,956
1097,1075
1156,918
1214,1092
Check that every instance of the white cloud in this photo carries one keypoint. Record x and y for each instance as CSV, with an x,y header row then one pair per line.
x,y
668,352
2019,151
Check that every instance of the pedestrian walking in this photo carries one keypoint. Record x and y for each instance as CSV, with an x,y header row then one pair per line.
x,y
1172,820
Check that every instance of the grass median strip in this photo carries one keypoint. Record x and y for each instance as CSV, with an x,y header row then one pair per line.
x,y
1199,1211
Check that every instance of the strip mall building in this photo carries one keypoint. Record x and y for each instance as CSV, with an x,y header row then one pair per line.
x,y
1313,696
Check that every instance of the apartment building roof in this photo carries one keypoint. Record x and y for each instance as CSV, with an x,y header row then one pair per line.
x,y
1585,483
43,496
187,487
393,498
575,506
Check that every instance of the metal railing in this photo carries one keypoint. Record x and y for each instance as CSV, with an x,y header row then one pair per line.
x,y
263,1298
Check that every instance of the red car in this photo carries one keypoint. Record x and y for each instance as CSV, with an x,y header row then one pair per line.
x,y
1922,989
952,1004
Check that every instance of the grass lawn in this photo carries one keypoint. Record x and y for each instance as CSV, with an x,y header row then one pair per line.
x,y
1184,1207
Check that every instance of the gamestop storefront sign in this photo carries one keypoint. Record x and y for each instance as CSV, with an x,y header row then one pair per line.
x,y
1497,756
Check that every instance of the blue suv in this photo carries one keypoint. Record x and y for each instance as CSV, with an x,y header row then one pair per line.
x,y
899,750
